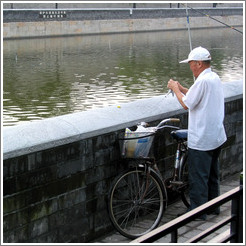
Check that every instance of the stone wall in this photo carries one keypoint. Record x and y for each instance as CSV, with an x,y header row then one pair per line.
x,y
57,172
139,4
23,23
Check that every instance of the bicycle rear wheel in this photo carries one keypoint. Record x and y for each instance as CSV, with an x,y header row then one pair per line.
x,y
183,176
136,202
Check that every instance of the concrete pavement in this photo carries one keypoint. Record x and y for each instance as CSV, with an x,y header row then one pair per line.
x,y
191,229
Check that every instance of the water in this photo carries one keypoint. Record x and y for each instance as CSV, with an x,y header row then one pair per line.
x,y
54,76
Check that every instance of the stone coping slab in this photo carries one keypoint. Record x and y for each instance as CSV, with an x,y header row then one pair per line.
x,y
35,136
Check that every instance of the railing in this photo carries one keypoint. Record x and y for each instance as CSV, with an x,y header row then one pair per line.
x,y
234,235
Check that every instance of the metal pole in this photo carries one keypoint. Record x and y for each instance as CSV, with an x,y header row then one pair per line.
x,y
188,25
237,209
174,236
240,212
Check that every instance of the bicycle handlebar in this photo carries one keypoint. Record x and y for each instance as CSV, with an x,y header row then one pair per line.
x,y
174,120
163,122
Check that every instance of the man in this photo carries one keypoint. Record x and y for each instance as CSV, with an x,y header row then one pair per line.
x,y
205,102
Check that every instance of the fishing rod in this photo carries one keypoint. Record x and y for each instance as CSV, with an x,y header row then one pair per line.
x,y
213,18
188,26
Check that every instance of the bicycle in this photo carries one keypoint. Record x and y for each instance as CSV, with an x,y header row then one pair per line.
x,y
138,197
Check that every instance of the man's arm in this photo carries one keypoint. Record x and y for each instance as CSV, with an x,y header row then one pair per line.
x,y
178,90
182,89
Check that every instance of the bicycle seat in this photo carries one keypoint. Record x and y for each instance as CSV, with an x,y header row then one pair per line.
x,y
180,134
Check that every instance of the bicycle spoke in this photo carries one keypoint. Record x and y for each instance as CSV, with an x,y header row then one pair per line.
x,y
136,204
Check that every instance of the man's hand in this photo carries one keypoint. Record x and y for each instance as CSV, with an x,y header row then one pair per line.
x,y
177,89
173,85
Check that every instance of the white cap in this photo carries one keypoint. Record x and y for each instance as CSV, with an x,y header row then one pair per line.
x,y
198,54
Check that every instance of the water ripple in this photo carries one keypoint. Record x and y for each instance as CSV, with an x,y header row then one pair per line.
x,y
52,77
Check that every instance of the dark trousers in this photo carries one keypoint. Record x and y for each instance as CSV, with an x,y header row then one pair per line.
x,y
203,176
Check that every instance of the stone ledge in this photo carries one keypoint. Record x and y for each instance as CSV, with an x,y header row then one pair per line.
x,y
48,133
40,15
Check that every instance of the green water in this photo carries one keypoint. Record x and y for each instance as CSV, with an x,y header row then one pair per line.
x,y
54,76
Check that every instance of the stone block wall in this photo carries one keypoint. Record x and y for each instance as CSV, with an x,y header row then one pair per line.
x,y
232,151
58,195
30,23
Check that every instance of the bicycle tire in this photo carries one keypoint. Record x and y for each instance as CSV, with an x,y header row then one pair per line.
x,y
183,176
135,206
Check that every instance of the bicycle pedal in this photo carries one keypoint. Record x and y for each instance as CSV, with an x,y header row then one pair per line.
x,y
176,182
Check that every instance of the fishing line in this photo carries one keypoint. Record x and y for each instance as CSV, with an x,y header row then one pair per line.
x,y
188,24
233,28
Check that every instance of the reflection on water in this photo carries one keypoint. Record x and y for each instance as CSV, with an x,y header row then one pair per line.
x,y
55,76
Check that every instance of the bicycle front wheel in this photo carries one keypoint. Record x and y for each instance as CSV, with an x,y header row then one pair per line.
x,y
137,201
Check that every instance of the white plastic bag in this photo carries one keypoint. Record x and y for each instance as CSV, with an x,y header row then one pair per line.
x,y
135,144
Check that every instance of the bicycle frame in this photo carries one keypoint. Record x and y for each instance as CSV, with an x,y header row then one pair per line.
x,y
181,150
175,183
141,191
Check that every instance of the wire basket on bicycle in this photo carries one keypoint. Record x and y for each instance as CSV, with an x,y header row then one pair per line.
x,y
136,144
